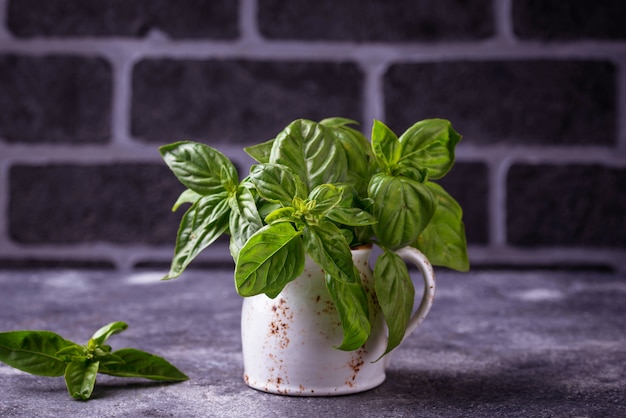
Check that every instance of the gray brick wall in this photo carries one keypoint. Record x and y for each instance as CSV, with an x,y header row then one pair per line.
x,y
90,89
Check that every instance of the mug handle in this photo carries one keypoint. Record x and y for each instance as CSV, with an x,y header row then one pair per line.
x,y
416,257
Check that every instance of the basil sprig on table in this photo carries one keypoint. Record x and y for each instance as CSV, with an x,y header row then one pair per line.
x,y
45,353
320,189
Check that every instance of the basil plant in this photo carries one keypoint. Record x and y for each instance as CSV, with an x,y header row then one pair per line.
x,y
320,189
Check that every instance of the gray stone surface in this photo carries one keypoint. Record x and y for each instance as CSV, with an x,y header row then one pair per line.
x,y
495,344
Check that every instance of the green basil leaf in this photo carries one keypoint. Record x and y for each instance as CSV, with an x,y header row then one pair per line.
x,y
396,295
198,166
351,303
200,226
187,196
325,244
277,183
137,363
359,157
72,352
80,378
402,207
34,352
106,331
260,152
326,197
336,122
430,144
350,216
385,145
271,258
443,240
244,219
280,215
312,152
105,357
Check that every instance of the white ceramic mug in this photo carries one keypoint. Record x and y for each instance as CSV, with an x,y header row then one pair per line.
x,y
288,342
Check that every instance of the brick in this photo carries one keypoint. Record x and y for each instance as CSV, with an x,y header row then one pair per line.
x,y
569,205
376,20
238,101
569,20
468,184
216,19
538,102
55,99
70,204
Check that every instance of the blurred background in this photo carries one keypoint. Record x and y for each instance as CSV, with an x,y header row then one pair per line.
x,y
89,89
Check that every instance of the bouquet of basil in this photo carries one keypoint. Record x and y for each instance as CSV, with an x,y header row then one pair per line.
x,y
321,188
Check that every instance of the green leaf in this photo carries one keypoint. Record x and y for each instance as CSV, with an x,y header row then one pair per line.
x,y
244,219
277,183
187,196
396,295
336,122
80,378
106,331
443,240
402,208
34,352
350,216
260,152
357,149
271,258
312,151
198,166
139,363
326,197
351,303
200,226
430,144
281,215
386,146
325,244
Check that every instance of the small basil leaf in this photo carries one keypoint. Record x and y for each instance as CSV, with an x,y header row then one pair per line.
x,y
137,363
280,215
402,208
326,197
200,226
396,295
271,258
34,352
105,357
325,244
385,145
351,303
187,196
244,219
312,152
72,352
337,122
106,331
351,216
80,378
260,152
276,183
443,240
198,166
430,144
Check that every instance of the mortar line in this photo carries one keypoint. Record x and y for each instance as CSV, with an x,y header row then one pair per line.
x,y
373,93
503,16
248,22
498,171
